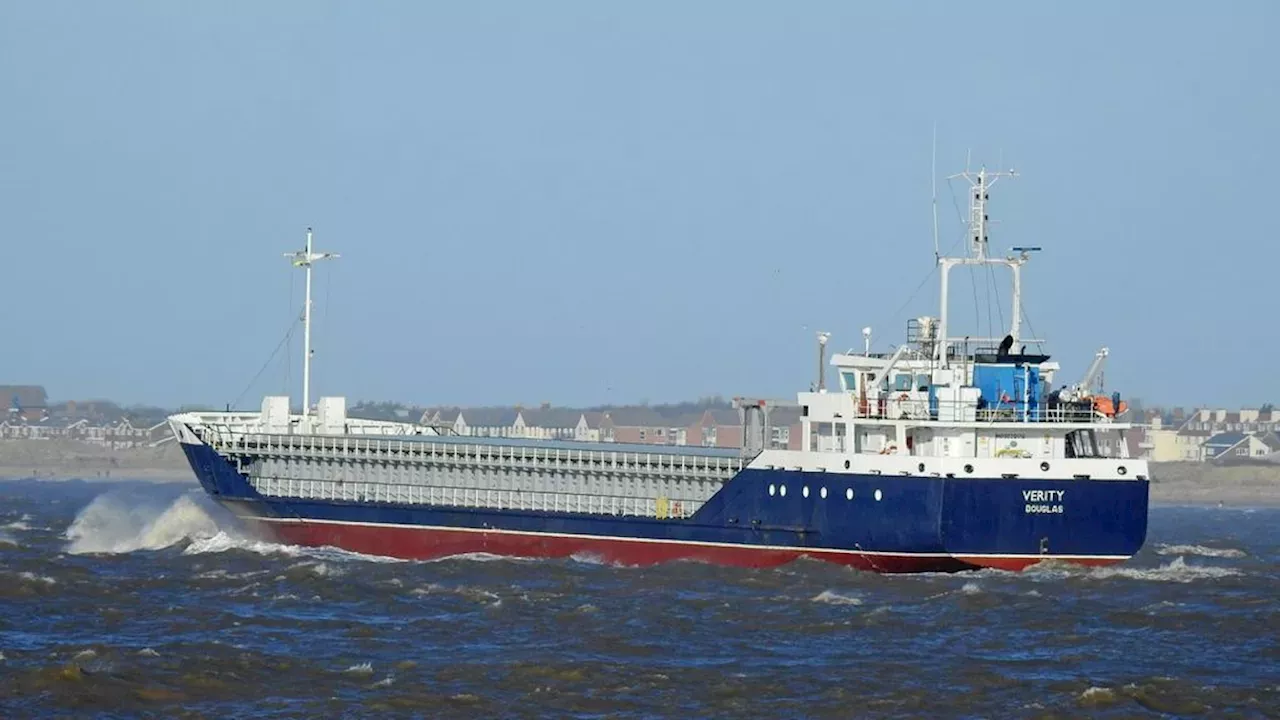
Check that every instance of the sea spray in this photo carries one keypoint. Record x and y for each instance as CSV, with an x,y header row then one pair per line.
x,y
120,522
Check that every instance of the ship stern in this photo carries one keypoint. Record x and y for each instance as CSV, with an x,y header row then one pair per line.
x,y
1011,523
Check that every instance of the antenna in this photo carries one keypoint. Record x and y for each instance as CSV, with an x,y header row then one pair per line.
x,y
933,178
822,360
979,185
304,259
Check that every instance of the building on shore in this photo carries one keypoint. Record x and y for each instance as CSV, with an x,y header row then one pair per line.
x,y
641,425
119,435
1207,434
28,403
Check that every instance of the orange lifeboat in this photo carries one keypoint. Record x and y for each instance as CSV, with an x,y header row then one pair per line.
x,y
1105,406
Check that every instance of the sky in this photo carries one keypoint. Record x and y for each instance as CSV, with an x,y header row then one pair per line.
x,y
586,203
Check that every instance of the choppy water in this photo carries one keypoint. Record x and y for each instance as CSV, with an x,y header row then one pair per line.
x,y
137,599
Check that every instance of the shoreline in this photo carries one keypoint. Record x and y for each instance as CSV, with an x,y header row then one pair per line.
x,y
156,475
1177,483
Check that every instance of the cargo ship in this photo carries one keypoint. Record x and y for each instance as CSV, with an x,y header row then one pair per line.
x,y
950,453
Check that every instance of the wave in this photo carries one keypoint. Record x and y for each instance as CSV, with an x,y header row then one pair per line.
x,y
225,541
119,522
1176,571
831,597
1200,550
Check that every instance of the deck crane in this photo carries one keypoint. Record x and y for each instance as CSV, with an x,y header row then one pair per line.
x,y
1080,392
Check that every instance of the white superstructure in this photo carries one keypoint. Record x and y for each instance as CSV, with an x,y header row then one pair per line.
x,y
943,404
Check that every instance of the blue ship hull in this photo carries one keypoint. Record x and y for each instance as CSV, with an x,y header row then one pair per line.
x,y
874,522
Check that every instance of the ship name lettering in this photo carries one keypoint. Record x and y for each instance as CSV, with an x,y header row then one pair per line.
x,y
1043,502
1043,496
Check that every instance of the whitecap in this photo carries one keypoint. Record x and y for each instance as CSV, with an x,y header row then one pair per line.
x,y
1176,571
831,597
32,577
230,541
1200,550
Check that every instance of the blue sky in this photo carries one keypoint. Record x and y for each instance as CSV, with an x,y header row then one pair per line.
x,y
585,202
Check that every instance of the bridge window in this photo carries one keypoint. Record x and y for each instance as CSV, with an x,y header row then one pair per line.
x,y
848,381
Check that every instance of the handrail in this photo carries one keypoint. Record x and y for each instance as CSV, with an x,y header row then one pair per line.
x,y
910,406
399,493
432,451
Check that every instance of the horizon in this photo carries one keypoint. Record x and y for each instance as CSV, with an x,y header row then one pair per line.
x,y
599,205
702,401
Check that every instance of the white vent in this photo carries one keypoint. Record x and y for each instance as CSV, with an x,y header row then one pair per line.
x,y
331,413
275,414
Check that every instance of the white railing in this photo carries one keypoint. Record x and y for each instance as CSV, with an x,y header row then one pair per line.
x,y
911,407
441,451
465,497
229,424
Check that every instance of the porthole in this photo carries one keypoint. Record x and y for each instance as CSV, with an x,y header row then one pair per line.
x,y
805,491
879,495
823,493
848,494
1122,470
772,490
846,464
968,468
1044,466
920,467
782,490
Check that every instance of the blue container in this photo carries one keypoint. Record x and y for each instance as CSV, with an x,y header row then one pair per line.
x,y
1009,387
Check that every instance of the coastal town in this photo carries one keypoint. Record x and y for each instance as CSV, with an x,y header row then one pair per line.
x,y
1163,435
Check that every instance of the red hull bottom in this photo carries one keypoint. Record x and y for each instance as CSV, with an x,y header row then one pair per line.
x,y
412,543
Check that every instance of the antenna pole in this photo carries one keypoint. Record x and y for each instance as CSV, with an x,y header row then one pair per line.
x,y
822,361
979,185
304,259
933,177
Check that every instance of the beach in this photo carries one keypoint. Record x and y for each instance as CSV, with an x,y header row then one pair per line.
x,y
73,460
1208,484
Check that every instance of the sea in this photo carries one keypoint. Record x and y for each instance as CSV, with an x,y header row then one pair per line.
x,y
137,599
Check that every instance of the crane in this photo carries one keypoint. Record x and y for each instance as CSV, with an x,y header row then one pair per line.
x,y
1080,392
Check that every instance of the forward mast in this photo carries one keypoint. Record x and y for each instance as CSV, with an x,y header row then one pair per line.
x,y
305,259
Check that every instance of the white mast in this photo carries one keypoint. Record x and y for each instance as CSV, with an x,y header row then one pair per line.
x,y
304,259
979,185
